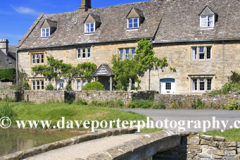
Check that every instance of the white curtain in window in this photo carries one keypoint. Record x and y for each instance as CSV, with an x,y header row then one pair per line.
x,y
210,21
204,21
194,53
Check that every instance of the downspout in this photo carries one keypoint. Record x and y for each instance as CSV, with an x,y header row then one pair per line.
x,y
17,66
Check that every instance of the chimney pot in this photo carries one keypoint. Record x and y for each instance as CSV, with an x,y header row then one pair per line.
x,y
85,5
4,45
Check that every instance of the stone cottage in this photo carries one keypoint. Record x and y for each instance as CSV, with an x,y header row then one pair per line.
x,y
200,38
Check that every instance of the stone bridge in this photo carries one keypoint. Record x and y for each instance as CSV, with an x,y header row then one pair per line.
x,y
125,144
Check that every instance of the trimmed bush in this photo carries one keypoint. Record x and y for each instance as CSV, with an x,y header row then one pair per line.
x,y
8,74
94,86
49,87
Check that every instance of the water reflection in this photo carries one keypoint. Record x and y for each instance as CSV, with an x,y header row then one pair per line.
x,y
13,140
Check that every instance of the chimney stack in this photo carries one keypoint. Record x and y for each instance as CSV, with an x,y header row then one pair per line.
x,y
4,45
85,5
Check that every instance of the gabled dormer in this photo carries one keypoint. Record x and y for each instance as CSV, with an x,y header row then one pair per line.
x,y
48,27
91,23
134,18
207,18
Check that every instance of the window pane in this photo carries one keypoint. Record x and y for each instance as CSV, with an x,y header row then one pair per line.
x,y
87,28
168,86
194,84
129,21
42,82
43,32
92,27
79,53
121,54
130,26
202,84
127,53
201,49
84,53
33,85
78,84
194,53
209,84
84,83
201,53
210,21
33,58
135,20
133,82
133,53
209,51
204,21
47,32
89,81
42,58
89,52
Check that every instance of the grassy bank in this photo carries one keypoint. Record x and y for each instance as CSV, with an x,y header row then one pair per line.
x,y
55,112
230,135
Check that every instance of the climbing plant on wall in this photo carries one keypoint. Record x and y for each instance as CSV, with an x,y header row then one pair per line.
x,y
134,67
55,69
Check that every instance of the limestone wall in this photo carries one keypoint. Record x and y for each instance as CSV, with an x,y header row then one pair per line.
x,y
216,101
5,85
44,96
224,59
10,94
89,96
202,147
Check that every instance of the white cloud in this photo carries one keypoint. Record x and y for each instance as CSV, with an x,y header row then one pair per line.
x,y
25,10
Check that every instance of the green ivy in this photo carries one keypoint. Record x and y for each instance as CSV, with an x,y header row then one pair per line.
x,y
56,68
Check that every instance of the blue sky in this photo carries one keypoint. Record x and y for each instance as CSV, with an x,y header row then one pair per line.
x,y
17,16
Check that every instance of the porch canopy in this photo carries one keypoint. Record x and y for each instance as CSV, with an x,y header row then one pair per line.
x,y
104,70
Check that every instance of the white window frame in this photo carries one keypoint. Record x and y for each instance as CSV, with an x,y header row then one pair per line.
x,y
41,58
38,83
132,23
87,29
87,52
44,34
124,54
197,56
207,17
198,84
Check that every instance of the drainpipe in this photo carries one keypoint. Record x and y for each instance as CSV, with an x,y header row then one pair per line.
x,y
17,66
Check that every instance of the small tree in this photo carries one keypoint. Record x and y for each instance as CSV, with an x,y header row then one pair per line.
x,y
146,60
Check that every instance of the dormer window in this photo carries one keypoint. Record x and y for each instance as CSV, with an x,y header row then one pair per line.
x,y
89,27
207,18
133,22
91,23
134,18
48,27
45,32
207,21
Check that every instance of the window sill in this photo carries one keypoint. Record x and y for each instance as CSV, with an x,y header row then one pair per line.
x,y
206,28
132,29
88,33
45,37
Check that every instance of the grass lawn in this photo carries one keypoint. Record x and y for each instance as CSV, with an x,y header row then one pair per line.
x,y
55,112
230,135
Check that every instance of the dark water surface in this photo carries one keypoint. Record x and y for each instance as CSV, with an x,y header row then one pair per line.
x,y
13,140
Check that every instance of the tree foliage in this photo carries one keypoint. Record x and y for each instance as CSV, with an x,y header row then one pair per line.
x,y
132,68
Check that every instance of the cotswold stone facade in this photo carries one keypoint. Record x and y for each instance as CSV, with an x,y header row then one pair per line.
x,y
199,38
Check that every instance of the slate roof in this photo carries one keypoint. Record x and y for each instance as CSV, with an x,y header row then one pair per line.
x,y
10,58
165,21
100,73
52,23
